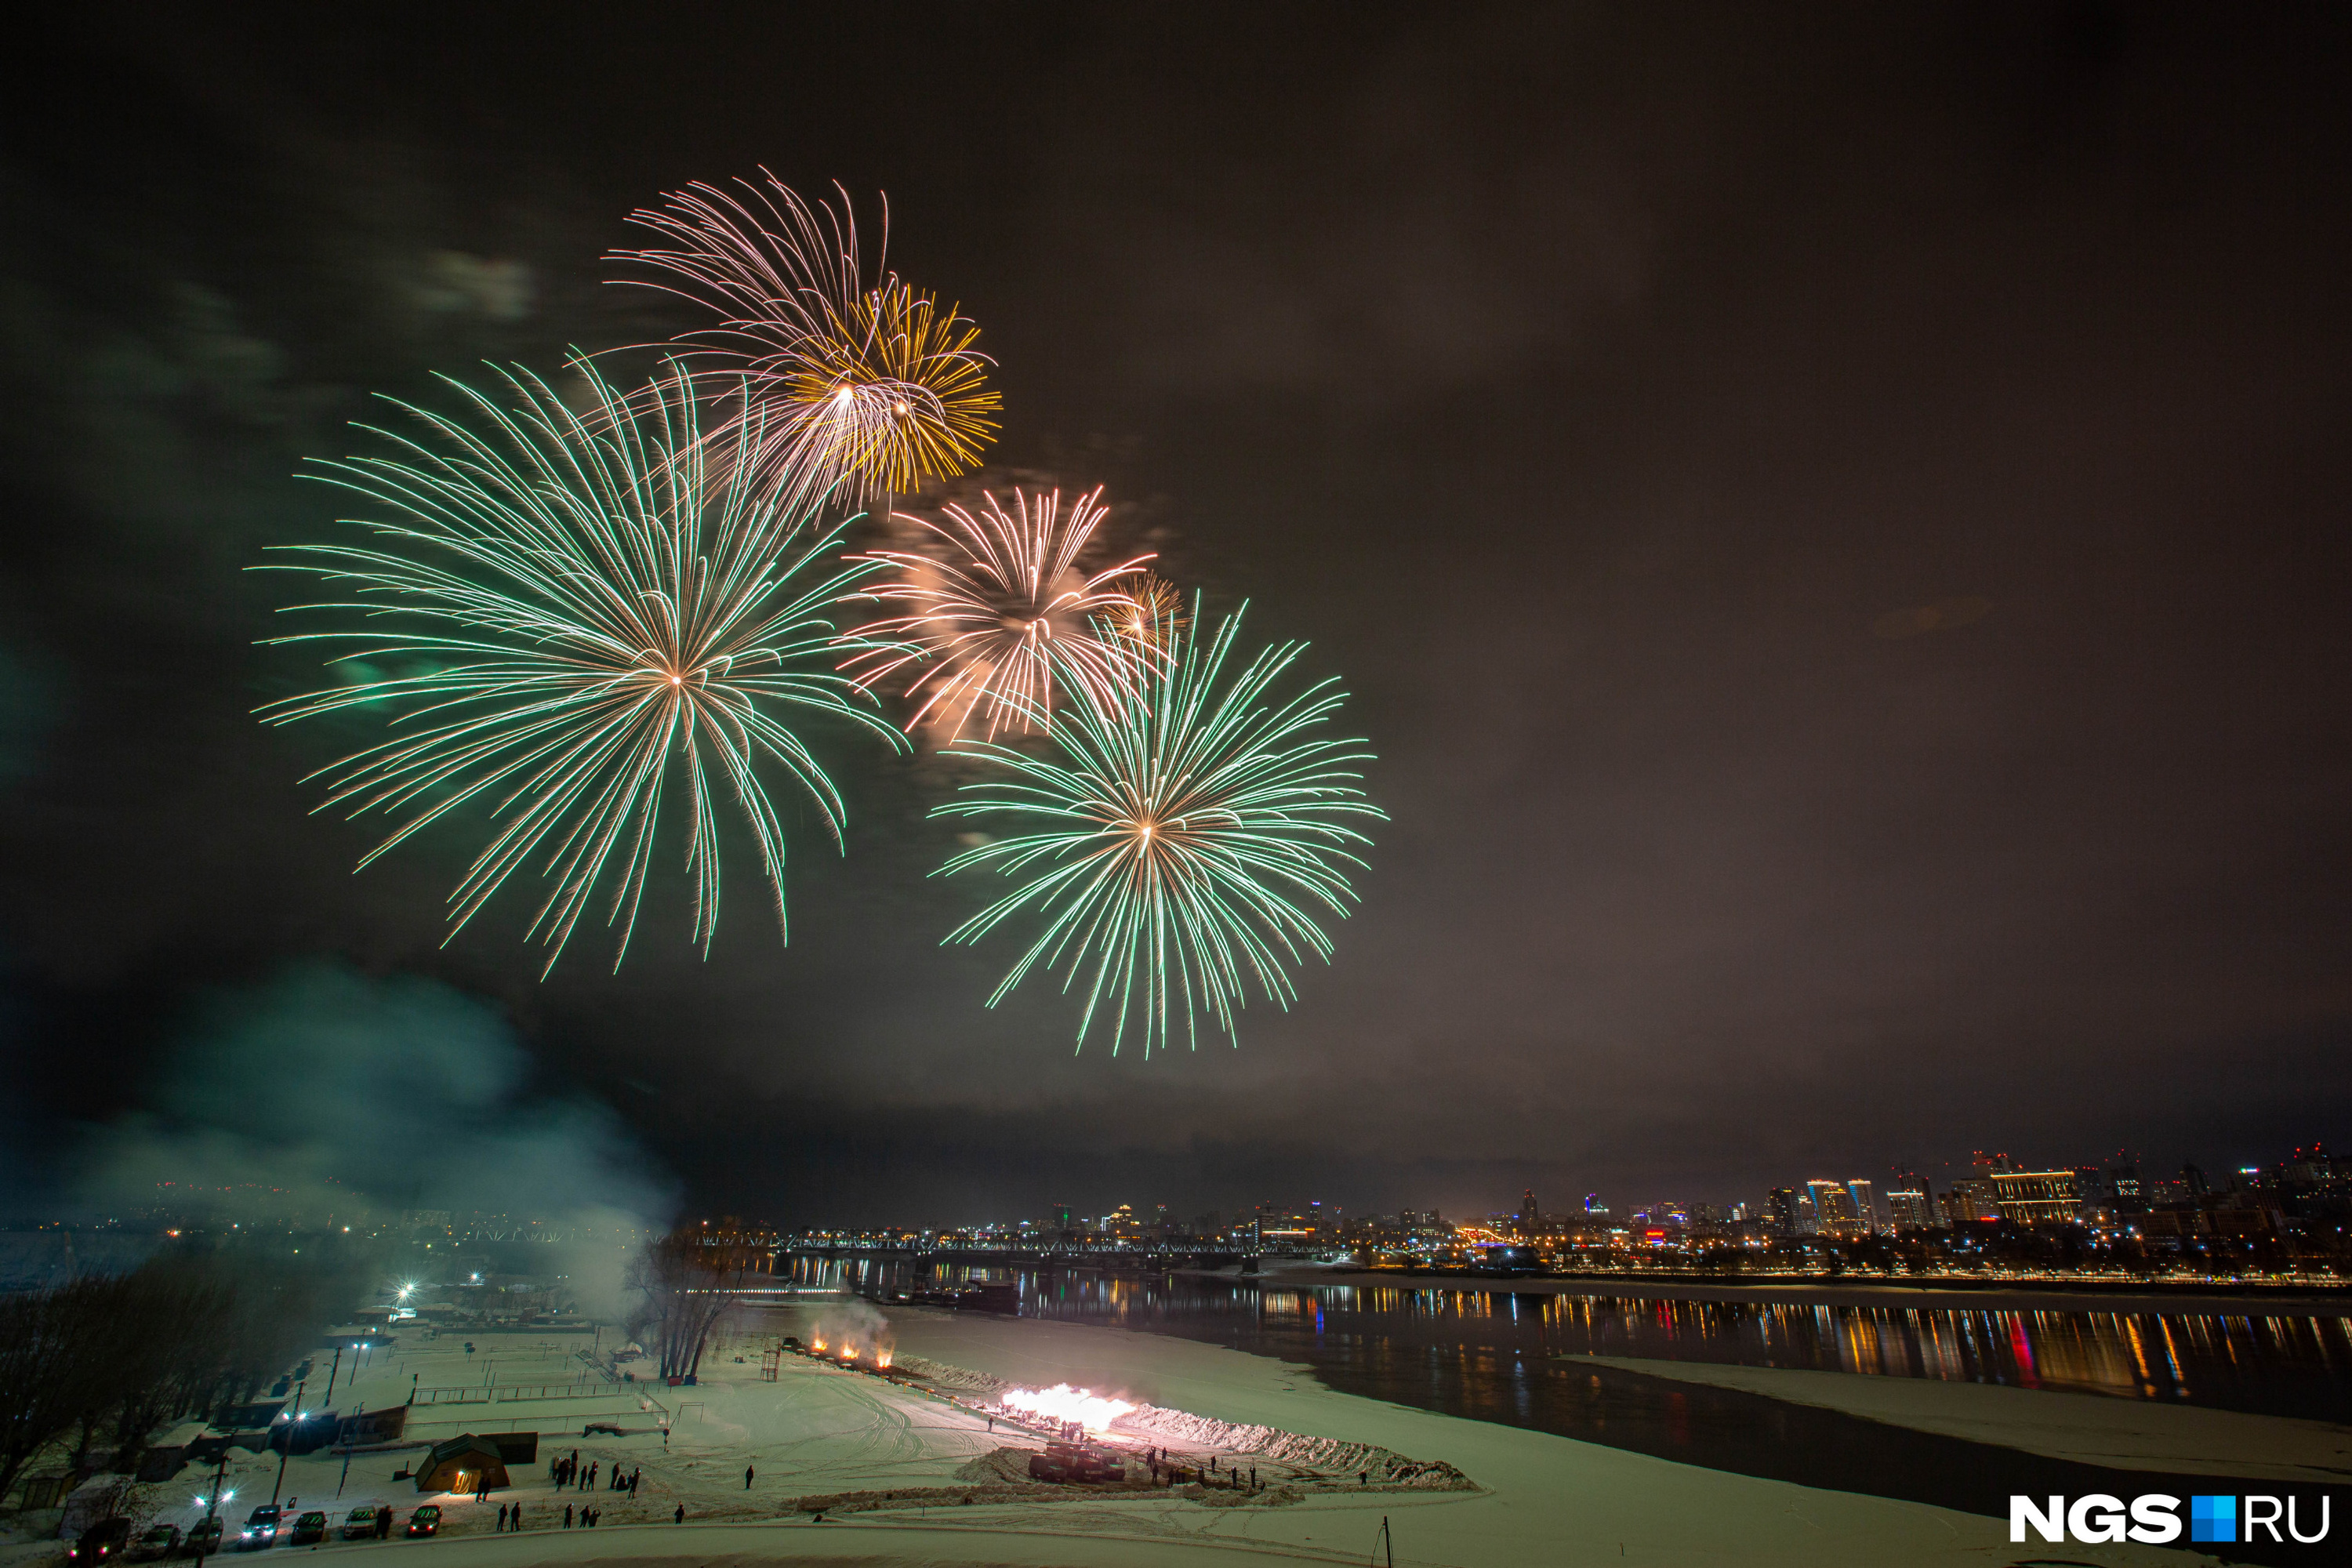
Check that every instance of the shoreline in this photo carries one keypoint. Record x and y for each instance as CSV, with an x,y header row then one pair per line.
x,y
2056,1424
1997,1296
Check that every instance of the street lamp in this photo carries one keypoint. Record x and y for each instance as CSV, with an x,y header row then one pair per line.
x,y
288,1452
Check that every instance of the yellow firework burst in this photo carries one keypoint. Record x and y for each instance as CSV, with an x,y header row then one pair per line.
x,y
852,377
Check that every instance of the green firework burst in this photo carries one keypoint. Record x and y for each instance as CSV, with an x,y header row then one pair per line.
x,y
563,613
1184,840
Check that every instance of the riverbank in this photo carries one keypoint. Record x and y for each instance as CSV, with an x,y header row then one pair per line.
x,y
1991,1296
2088,1428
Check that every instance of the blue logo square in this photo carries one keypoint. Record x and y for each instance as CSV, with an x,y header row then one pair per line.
x,y
2213,1518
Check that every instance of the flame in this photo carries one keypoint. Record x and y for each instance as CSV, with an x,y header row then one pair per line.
x,y
816,1347
882,1358
849,1352
1062,1403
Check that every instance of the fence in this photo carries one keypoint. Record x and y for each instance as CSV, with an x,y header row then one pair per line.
x,y
508,1394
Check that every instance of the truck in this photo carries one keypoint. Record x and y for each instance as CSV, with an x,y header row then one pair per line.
x,y
1077,1462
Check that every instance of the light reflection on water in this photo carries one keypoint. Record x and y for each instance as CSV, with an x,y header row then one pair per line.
x,y
2282,1363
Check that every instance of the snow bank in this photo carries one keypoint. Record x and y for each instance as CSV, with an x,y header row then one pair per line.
x,y
939,1374
1385,1467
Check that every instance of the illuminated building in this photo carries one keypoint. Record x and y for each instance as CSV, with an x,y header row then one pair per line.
x,y
1833,1210
1864,1209
1970,1198
1910,1204
2037,1197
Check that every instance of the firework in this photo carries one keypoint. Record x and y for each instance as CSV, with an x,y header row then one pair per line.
x,y
1152,618
999,614
567,615
1184,841
849,375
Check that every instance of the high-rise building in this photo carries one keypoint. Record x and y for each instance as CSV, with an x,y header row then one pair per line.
x,y
1593,1207
1781,1211
1527,1213
1833,1210
1917,1209
2124,1181
2037,1197
1909,1204
1970,1198
1865,1207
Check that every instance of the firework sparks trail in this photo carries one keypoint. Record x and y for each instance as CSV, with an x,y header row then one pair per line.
x,y
855,378
1184,841
565,614
990,630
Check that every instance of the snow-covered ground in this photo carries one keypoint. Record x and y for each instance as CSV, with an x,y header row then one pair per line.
x,y
821,1432
2129,1434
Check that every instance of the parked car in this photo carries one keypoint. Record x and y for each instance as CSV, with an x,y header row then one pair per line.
x,y
261,1529
158,1543
426,1520
203,1538
101,1542
311,1529
359,1523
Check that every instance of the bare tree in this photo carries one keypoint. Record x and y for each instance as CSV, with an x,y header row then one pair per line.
x,y
113,1360
52,1371
684,1285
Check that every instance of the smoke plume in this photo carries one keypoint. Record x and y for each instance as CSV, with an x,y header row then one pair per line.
x,y
329,1099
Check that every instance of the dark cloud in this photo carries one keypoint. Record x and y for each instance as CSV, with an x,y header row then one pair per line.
x,y
1830,519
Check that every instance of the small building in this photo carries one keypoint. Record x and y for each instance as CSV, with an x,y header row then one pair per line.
x,y
371,1427
469,1463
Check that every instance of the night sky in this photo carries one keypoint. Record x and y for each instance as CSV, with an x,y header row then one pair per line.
x,y
1832,519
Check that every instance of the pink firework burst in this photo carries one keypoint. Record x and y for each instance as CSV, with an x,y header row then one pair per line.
x,y
1001,614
